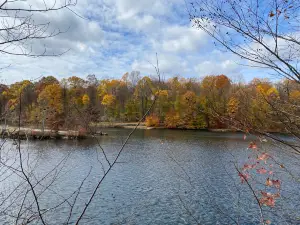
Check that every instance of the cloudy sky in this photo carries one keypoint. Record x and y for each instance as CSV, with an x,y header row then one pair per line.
x,y
116,36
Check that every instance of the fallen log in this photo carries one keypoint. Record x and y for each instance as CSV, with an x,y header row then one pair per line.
x,y
28,133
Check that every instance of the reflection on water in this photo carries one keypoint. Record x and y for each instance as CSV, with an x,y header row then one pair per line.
x,y
162,177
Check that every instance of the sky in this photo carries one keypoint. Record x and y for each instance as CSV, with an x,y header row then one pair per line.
x,y
112,37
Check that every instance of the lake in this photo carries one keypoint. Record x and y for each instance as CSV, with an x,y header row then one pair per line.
x,y
162,177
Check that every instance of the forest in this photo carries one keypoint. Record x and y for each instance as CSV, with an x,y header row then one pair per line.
x,y
212,102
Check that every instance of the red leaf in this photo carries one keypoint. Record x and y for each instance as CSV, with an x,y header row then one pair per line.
x,y
261,171
252,145
276,183
267,199
270,195
268,222
248,166
263,157
244,177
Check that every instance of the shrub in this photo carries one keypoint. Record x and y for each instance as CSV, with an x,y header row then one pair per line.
x,y
172,120
152,121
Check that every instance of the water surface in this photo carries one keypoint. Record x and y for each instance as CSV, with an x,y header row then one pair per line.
x,y
162,177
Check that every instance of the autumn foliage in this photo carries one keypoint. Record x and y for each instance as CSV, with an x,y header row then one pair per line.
x,y
260,165
210,102
152,121
172,120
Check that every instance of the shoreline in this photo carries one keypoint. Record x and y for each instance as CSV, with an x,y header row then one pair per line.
x,y
12,132
25,133
142,126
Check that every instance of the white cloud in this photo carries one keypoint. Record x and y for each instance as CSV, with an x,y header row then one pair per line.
x,y
218,62
119,36
168,64
210,67
144,23
178,39
131,8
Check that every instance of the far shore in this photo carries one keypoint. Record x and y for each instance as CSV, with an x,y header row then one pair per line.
x,y
34,133
26,130
142,126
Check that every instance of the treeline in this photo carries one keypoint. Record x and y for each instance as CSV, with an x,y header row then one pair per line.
x,y
212,102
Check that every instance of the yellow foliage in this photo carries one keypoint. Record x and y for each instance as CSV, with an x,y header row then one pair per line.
x,y
12,103
77,100
172,120
220,81
108,87
144,87
52,97
233,105
17,88
295,95
175,83
208,82
108,100
85,99
263,87
152,121
189,99
260,89
76,82
267,90
272,92
162,93
203,100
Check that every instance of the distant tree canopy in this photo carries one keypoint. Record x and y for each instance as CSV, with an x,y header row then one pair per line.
x,y
211,102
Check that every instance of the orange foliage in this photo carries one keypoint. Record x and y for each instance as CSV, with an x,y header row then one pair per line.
x,y
222,81
189,98
152,121
295,95
172,120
